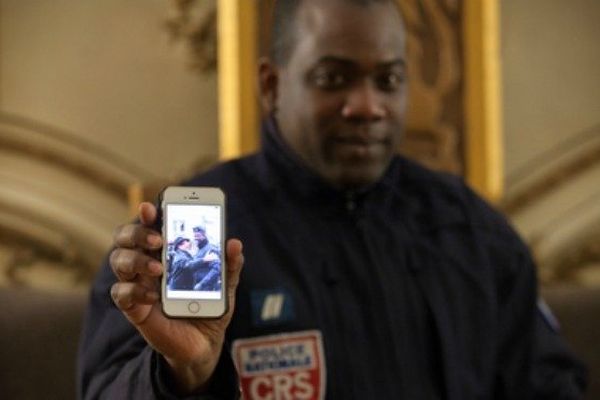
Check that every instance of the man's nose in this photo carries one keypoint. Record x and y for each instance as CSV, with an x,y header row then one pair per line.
x,y
364,102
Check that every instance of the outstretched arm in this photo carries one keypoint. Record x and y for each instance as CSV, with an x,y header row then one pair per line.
x,y
129,348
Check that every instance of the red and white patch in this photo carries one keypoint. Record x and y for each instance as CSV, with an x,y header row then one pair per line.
x,y
281,367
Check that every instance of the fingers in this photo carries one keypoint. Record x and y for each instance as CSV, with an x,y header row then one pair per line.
x,y
128,294
140,235
134,300
127,264
137,236
131,242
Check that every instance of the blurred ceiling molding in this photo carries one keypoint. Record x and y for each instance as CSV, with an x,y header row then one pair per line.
x,y
44,239
571,264
559,167
69,152
61,196
57,229
560,216
564,263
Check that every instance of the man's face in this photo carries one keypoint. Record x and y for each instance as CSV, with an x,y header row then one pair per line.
x,y
199,236
185,245
340,99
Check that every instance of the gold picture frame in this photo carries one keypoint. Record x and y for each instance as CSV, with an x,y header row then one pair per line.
x,y
238,48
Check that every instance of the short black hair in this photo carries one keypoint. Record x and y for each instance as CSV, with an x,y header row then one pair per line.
x,y
199,228
283,28
179,241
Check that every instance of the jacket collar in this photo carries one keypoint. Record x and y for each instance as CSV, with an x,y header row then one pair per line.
x,y
282,168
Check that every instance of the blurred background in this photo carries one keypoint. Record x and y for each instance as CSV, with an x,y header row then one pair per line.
x,y
104,102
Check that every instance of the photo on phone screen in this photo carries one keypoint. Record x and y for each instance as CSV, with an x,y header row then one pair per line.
x,y
193,256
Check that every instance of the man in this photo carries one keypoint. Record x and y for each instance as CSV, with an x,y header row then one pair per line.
x,y
180,277
206,263
366,276
198,272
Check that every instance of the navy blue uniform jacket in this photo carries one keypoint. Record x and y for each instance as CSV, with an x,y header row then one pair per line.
x,y
411,289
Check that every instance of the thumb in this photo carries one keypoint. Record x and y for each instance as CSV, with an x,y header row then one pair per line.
x,y
147,213
235,261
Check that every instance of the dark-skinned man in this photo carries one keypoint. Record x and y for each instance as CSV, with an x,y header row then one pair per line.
x,y
366,276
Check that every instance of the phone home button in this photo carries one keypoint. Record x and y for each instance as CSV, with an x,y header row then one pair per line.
x,y
194,307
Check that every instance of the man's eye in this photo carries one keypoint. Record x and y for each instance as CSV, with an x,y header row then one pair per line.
x,y
329,80
389,81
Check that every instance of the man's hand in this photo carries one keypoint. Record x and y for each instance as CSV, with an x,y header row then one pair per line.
x,y
190,346
210,257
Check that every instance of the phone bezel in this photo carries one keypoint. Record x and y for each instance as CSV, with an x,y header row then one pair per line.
x,y
181,308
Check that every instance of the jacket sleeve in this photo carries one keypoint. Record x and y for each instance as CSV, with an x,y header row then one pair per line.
x,y
115,362
532,358
554,373
516,291
557,374
532,354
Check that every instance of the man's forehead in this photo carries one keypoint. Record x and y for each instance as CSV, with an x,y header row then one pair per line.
x,y
316,13
340,61
337,28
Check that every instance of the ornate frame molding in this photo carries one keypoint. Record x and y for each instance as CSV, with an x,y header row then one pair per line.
x,y
238,51
237,55
483,118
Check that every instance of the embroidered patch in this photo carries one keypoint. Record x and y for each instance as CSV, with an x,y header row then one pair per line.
x,y
271,307
282,366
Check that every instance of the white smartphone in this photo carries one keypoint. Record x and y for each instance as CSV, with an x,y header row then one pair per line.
x,y
193,228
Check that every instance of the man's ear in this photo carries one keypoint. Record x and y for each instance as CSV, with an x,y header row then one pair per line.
x,y
268,76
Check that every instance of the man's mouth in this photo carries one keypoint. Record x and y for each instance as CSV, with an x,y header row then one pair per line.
x,y
359,146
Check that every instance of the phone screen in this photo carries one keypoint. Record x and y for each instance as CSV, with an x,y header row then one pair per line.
x,y
194,253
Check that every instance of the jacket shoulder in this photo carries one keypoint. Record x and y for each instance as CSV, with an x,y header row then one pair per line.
x,y
449,200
